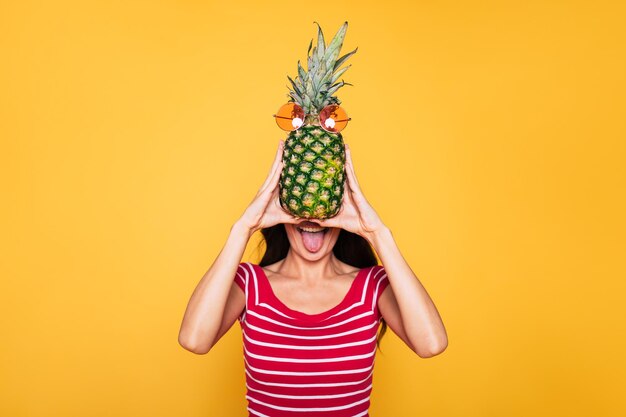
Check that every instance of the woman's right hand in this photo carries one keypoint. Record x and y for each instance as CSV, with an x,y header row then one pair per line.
x,y
265,210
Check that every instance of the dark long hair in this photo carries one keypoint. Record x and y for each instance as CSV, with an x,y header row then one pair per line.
x,y
350,248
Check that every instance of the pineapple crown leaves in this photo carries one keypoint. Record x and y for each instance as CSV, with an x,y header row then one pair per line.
x,y
314,88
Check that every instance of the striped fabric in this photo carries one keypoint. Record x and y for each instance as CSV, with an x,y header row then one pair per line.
x,y
300,364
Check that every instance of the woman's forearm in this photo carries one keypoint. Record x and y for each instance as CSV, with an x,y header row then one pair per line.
x,y
420,318
205,310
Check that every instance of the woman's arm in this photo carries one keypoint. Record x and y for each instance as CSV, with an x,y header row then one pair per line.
x,y
215,302
204,314
419,318
407,308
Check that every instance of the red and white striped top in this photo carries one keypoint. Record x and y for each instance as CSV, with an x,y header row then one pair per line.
x,y
300,364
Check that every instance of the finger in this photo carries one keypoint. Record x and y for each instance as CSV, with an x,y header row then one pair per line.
x,y
350,186
277,159
272,183
283,215
348,202
352,181
350,171
350,166
354,196
354,201
288,218
347,195
332,222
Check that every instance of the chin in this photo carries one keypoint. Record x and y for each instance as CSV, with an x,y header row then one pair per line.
x,y
310,241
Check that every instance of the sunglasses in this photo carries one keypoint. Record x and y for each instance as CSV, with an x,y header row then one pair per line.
x,y
291,116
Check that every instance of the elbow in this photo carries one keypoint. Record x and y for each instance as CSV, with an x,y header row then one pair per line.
x,y
192,346
195,349
432,350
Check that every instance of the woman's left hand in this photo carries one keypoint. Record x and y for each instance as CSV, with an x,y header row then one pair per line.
x,y
356,215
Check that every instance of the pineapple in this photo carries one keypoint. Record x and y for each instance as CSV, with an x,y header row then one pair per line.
x,y
312,181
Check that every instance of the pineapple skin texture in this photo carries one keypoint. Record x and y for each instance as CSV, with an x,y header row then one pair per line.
x,y
312,181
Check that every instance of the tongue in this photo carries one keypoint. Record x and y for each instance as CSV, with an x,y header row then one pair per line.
x,y
312,241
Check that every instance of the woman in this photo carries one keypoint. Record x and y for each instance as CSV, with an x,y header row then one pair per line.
x,y
311,309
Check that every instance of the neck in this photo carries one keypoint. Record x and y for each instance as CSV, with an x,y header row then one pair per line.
x,y
295,265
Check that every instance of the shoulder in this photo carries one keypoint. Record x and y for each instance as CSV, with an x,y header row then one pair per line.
x,y
243,273
377,280
246,267
376,273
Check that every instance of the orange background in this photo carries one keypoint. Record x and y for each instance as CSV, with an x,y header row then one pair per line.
x,y
489,136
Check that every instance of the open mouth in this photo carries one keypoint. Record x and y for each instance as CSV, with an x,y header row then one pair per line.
x,y
310,227
312,235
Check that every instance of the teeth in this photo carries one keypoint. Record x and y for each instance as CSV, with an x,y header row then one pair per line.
x,y
312,229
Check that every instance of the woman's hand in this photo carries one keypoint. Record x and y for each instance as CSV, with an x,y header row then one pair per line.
x,y
356,215
265,210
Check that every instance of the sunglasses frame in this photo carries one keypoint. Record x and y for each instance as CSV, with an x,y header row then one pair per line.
x,y
318,117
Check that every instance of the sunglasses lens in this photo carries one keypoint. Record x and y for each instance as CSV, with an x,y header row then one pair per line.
x,y
333,118
290,116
